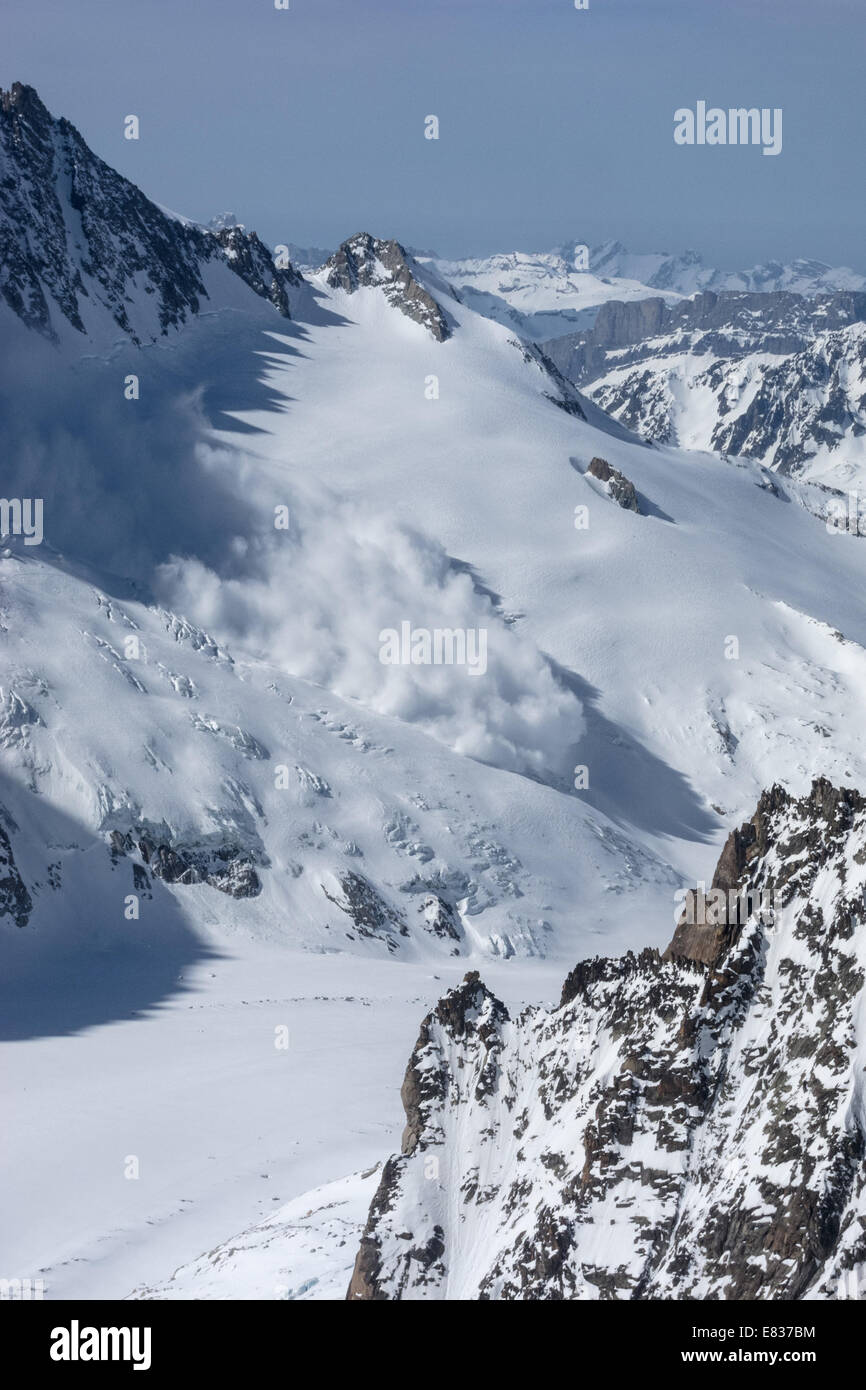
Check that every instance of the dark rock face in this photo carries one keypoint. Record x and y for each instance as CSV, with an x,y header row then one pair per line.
x,y
440,918
562,393
620,489
227,867
74,232
470,1009
249,258
619,324
365,1282
370,914
364,260
739,867
684,1125
15,900
730,324
469,1012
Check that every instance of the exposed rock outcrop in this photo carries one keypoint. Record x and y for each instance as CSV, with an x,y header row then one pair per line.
x,y
619,487
689,1125
16,903
368,911
227,867
366,260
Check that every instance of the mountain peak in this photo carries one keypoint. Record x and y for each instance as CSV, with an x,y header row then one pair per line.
x,y
24,99
364,260
27,119
85,248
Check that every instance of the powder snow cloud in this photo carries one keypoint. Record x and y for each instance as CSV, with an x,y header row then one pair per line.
x,y
316,597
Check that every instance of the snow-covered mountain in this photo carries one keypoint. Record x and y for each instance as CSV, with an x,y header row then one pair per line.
x,y
802,414
548,294
731,324
367,261
777,378
219,788
82,250
687,1125
239,792
686,273
805,415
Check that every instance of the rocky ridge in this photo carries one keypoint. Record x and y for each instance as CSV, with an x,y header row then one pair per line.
x,y
79,243
686,1125
367,261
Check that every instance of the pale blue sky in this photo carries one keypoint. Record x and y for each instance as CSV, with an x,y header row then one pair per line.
x,y
555,124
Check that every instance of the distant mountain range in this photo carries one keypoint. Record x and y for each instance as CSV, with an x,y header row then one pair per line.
x,y
546,294
777,377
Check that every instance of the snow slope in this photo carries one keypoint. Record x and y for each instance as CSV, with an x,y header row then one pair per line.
x,y
215,788
677,716
305,1251
185,746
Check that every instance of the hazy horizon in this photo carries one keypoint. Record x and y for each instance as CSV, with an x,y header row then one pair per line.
x,y
555,124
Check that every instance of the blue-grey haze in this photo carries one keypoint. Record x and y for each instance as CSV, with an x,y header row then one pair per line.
x,y
555,123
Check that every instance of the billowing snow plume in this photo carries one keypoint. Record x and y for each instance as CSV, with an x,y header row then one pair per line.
x,y
347,598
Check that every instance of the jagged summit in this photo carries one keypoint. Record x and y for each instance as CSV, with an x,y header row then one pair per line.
x,y
83,248
707,930
224,220
25,100
364,260
686,1125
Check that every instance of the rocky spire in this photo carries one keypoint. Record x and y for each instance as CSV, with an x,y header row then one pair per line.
x,y
365,260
